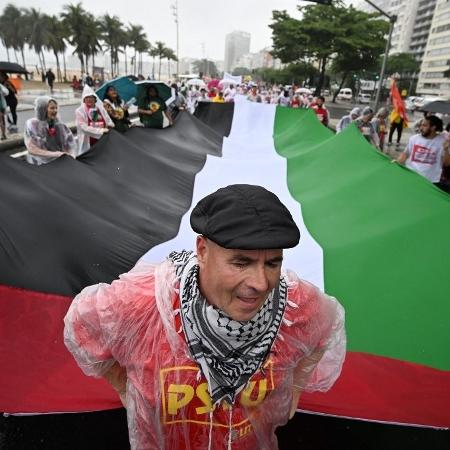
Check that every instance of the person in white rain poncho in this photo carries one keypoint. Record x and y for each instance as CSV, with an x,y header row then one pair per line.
x,y
45,137
92,120
212,350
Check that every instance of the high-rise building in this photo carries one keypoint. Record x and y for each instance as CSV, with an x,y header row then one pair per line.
x,y
237,44
422,25
413,23
433,78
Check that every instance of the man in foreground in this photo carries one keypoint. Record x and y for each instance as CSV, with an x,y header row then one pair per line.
x,y
212,350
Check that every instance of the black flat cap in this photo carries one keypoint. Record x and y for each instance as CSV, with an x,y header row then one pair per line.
x,y
247,217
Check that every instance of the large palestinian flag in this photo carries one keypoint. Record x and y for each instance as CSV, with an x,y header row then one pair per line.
x,y
373,234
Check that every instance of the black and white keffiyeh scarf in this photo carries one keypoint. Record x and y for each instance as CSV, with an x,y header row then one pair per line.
x,y
229,352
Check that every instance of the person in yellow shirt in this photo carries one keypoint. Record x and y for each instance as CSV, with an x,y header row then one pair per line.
x,y
219,98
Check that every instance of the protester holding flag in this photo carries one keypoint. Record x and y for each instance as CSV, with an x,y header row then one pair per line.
x,y
348,119
117,109
427,152
92,120
321,111
398,117
367,128
379,123
45,137
153,111
186,343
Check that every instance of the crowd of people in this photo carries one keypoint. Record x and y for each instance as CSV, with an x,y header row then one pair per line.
x,y
46,138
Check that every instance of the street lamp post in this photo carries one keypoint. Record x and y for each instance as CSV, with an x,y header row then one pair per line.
x,y
175,15
392,20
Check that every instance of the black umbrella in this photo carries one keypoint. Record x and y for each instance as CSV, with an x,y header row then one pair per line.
x,y
9,67
438,106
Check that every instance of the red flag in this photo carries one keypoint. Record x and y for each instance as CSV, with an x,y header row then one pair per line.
x,y
399,109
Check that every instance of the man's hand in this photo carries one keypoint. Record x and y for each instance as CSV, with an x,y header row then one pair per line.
x,y
117,377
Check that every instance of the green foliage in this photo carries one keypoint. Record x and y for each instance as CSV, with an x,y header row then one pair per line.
x,y
291,74
206,67
402,63
348,38
243,71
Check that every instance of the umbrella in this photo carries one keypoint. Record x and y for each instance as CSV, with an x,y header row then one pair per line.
x,y
9,67
164,91
303,91
225,82
438,106
124,86
213,83
196,82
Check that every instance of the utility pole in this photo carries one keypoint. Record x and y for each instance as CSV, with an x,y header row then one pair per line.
x,y
392,20
175,15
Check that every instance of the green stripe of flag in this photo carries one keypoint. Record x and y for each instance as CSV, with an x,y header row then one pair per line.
x,y
385,235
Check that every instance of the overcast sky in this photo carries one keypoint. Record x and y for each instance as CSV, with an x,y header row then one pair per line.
x,y
202,22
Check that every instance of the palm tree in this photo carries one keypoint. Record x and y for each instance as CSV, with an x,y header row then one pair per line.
x,y
56,41
160,50
136,36
153,52
92,36
38,36
75,21
142,47
112,29
170,55
13,30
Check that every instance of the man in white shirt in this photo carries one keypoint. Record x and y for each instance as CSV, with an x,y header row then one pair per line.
x,y
427,152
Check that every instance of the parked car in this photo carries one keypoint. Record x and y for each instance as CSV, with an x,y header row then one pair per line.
x,y
422,101
345,94
409,103
364,97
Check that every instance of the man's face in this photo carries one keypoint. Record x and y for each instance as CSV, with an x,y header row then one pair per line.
x,y
319,102
425,128
237,281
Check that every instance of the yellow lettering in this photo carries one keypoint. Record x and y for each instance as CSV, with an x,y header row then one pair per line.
x,y
246,393
175,403
245,430
203,396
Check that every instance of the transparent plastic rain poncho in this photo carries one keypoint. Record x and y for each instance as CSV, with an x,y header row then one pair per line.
x,y
36,134
134,321
85,131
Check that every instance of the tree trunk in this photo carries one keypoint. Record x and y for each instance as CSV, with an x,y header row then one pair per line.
x,y
153,70
64,62
80,57
319,86
93,62
15,54
135,62
43,61
159,71
58,70
7,53
125,53
168,67
340,87
112,64
23,58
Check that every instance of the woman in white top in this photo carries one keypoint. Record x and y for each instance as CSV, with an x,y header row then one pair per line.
x,y
92,120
